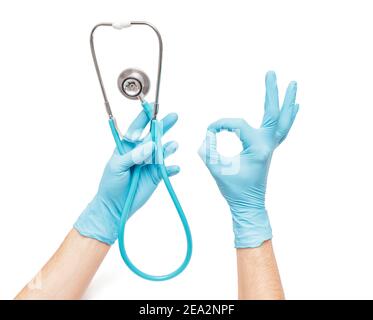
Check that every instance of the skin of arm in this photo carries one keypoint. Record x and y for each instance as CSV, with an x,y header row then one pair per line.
x,y
69,271
258,275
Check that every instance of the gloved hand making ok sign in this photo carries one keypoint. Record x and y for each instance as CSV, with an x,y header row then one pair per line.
x,y
242,179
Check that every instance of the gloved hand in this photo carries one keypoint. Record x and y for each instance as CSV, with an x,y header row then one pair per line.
x,y
100,220
242,179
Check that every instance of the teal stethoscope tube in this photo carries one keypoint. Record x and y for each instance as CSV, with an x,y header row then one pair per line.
x,y
158,160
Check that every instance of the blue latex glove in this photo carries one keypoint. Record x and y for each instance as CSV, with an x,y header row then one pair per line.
x,y
100,220
242,179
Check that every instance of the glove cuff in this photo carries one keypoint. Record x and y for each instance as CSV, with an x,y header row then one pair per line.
x,y
251,228
97,222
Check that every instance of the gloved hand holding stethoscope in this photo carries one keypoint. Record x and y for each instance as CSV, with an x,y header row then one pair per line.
x,y
136,167
101,218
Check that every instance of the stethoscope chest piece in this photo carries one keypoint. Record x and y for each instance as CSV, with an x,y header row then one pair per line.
x,y
133,83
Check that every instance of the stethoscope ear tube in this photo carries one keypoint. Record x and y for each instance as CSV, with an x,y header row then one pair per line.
x,y
116,136
120,26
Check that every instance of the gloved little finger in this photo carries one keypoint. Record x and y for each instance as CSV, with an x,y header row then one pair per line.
x,y
286,123
172,170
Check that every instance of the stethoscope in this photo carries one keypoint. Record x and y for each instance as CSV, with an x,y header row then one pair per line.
x,y
134,84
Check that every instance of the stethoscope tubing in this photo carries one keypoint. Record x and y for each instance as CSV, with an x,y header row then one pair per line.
x,y
136,170
158,161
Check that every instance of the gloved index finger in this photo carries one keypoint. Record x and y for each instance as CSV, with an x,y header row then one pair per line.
x,y
168,122
239,126
138,125
165,124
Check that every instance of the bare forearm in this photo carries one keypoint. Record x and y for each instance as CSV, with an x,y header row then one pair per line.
x,y
68,273
258,275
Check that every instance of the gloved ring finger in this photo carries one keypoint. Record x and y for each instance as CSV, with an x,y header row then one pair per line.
x,y
170,148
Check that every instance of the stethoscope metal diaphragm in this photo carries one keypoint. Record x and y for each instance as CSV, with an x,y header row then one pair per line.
x,y
133,83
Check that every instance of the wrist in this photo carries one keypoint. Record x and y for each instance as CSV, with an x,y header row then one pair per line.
x,y
251,227
99,221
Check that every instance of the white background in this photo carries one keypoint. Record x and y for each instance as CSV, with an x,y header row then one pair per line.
x,y
55,139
